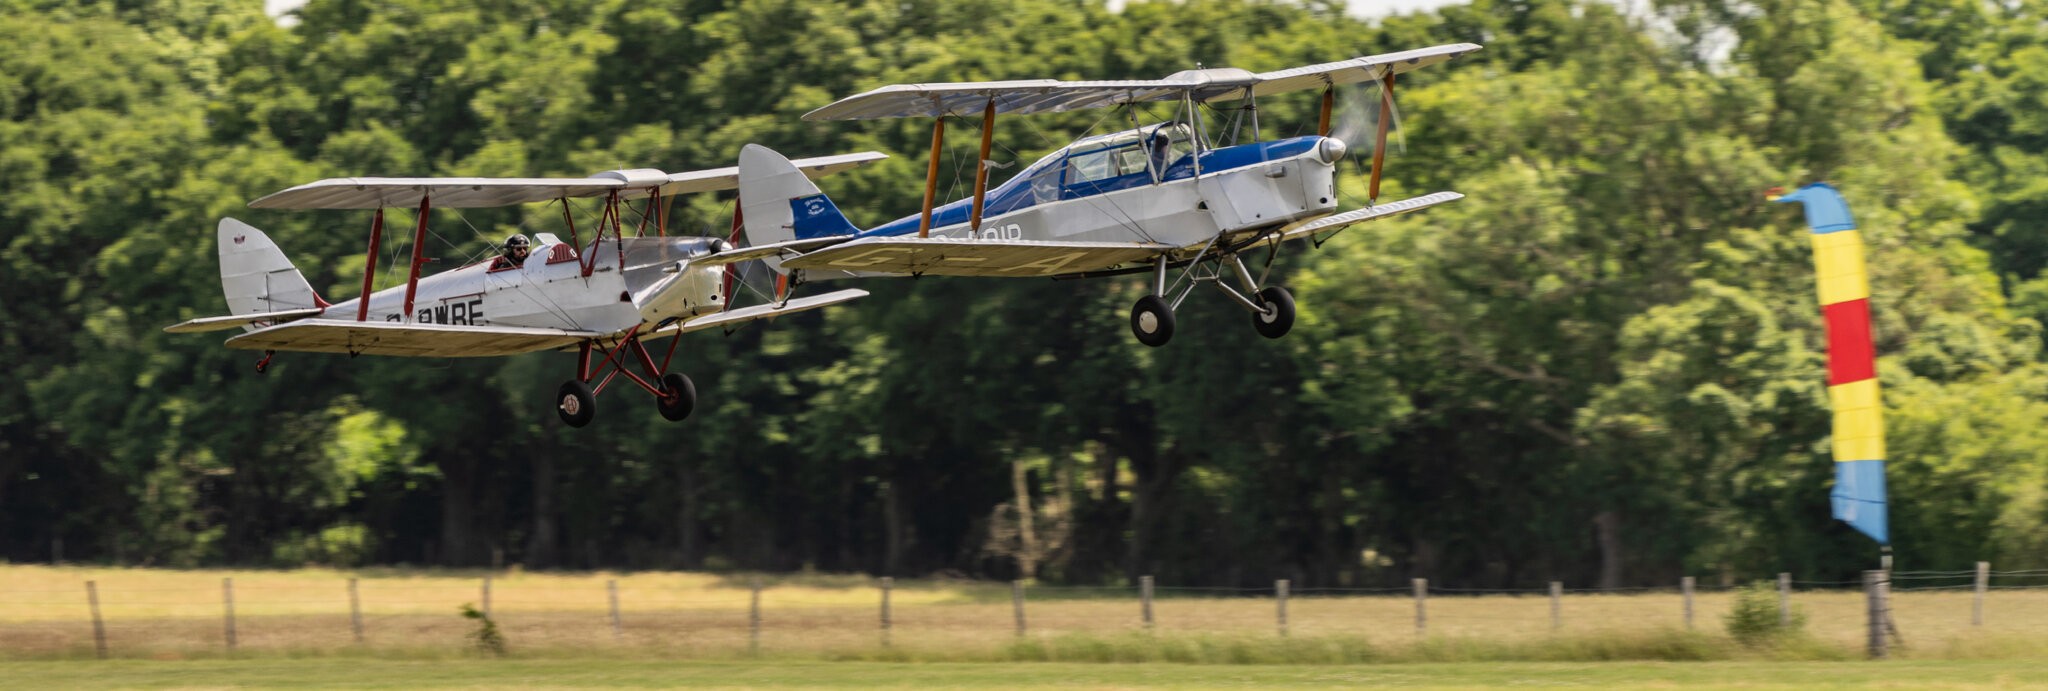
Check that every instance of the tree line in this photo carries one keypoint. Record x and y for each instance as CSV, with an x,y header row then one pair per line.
x,y
1604,366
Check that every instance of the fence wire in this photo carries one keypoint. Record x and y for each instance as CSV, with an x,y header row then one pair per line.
x,y
727,615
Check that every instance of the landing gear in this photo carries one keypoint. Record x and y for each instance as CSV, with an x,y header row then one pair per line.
x,y
1272,307
1152,321
576,403
678,397
1277,315
263,365
674,395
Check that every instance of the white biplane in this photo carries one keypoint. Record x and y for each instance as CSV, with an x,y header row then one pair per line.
x,y
1150,199
603,299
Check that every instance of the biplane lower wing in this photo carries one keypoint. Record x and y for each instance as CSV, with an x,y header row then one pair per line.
x,y
762,311
1340,221
406,340
946,257
205,324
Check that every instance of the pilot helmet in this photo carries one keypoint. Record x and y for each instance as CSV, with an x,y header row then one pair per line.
x,y
517,241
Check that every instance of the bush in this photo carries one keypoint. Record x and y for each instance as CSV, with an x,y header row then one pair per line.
x,y
1753,620
486,634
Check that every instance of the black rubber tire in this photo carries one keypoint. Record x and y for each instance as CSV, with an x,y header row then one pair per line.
x,y
1153,312
1279,317
678,407
575,403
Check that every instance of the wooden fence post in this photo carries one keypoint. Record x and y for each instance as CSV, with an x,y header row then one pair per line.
x,y
1421,605
1280,597
1145,598
1556,608
1784,600
754,620
99,630
487,597
1685,584
1873,593
888,584
1983,584
355,612
1017,604
611,588
227,601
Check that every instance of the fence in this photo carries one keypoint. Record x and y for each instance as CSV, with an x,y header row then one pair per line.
x,y
132,613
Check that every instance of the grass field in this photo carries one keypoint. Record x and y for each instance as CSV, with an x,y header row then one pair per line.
x,y
411,614
331,673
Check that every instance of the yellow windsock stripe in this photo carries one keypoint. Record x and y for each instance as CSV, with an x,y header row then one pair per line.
x,y
1838,266
1859,421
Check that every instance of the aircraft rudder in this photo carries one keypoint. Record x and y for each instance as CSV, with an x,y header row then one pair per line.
x,y
780,203
256,276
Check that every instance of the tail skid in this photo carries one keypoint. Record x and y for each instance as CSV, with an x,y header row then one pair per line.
x,y
779,203
256,276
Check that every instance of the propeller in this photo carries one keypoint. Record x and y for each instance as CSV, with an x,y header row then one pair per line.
x,y
1369,114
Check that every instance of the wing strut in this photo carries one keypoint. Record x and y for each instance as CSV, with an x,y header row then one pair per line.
x,y
1329,103
732,271
988,133
419,239
1379,150
931,177
370,269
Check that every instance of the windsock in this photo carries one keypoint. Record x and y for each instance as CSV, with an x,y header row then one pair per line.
x,y
1859,495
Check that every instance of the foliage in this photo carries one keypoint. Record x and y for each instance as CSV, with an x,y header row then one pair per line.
x,y
486,635
1755,621
1604,366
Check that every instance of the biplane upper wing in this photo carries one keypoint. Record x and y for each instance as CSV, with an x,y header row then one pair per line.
x,y
408,340
1356,70
1339,221
1053,96
473,193
205,324
762,311
947,257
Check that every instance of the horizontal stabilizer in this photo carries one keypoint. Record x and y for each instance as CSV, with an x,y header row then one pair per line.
x,y
762,311
1334,222
205,324
779,249
479,193
406,340
946,257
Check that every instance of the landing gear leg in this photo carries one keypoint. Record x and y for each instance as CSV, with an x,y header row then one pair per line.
x,y
263,365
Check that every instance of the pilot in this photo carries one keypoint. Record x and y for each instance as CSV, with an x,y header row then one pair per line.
x,y
515,249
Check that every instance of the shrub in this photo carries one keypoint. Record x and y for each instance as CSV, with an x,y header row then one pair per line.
x,y
486,634
1753,620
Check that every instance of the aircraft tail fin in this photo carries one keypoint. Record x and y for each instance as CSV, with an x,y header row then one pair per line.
x,y
256,276
779,203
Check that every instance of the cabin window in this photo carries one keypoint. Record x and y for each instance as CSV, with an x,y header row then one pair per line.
x,y
1090,167
1045,185
1131,160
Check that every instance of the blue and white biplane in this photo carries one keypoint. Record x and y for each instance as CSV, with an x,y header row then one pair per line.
x,y
1152,199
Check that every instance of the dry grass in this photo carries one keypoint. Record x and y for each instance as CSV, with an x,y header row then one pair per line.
x,y
178,613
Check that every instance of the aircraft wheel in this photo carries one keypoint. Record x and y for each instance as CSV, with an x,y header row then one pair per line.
x,y
575,403
681,398
1152,321
1279,315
